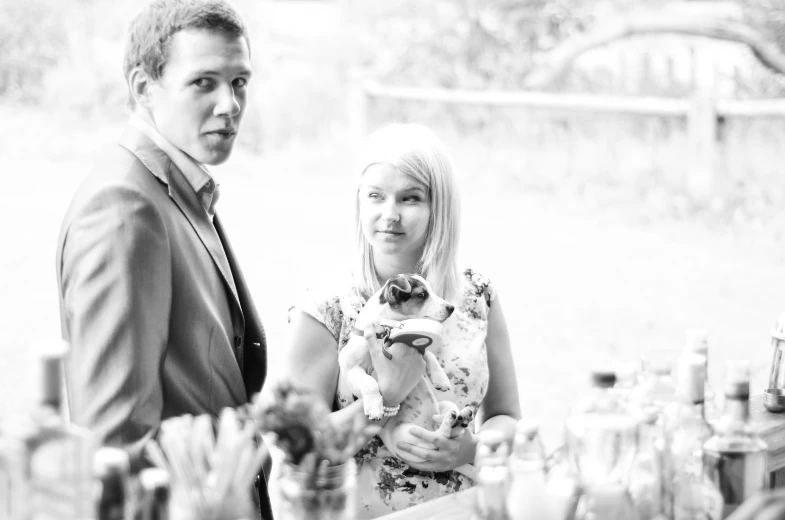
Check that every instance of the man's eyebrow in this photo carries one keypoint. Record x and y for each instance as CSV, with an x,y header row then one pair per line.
x,y
210,72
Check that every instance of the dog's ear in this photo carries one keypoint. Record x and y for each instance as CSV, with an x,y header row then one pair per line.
x,y
397,289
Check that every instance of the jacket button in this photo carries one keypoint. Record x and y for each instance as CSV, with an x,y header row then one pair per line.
x,y
238,341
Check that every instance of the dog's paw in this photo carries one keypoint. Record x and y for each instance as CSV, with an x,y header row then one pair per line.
x,y
373,406
440,381
464,417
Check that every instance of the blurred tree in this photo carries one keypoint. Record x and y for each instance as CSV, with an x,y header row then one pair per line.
x,y
32,41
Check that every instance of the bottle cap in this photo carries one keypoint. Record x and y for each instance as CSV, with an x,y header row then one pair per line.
x,y
152,479
111,461
527,426
691,377
697,340
603,377
50,376
737,379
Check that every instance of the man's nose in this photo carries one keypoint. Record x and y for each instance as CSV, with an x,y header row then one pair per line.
x,y
227,104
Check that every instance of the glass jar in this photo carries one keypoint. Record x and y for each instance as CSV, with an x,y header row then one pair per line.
x,y
329,493
209,505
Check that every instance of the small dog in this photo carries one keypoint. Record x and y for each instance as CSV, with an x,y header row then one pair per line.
x,y
403,297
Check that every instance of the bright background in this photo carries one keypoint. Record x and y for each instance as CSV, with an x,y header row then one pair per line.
x,y
583,224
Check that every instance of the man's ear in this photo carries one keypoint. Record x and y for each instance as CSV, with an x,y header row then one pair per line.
x,y
397,289
140,84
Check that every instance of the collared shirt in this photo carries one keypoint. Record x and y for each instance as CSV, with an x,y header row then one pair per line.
x,y
195,173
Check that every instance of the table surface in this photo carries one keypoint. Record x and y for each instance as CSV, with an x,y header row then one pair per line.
x,y
460,506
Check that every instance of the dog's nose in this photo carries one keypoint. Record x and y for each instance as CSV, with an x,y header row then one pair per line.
x,y
450,308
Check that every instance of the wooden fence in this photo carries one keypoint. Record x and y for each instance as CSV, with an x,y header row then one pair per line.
x,y
703,113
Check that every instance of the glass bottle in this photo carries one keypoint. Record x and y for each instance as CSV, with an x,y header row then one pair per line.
x,y
45,461
602,440
111,471
646,476
527,497
154,494
492,475
696,341
655,390
687,430
735,458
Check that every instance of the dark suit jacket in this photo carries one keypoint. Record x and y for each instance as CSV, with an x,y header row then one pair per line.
x,y
152,301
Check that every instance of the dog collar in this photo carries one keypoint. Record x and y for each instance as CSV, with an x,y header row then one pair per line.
x,y
384,336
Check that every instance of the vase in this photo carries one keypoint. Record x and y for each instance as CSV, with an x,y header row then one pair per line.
x,y
320,493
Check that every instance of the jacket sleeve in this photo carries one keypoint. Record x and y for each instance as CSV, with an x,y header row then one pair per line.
x,y
116,289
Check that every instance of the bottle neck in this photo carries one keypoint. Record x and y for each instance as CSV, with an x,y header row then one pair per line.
x,y
736,410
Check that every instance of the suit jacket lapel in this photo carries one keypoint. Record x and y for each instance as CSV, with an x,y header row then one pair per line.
x,y
184,196
254,359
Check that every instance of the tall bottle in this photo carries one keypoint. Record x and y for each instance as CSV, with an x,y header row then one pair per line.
x,y
492,475
735,458
656,388
696,341
45,462
527,498
602,440
688,431
112,484
155,491
646,476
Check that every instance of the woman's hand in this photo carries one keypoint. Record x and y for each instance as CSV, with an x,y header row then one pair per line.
x,y
439,453
398,376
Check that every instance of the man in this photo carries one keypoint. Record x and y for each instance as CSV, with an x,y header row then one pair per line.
x,y
152,300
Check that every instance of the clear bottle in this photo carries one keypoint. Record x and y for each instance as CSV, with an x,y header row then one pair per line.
x,y
735,458
646,477
112,474
696,341
154,494
602,440
493,476
527,498
687,430
656,389
46,462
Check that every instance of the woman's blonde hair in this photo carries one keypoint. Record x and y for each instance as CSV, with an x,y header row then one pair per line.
x,y
416,151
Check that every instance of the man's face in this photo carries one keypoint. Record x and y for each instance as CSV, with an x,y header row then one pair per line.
x,y
199,100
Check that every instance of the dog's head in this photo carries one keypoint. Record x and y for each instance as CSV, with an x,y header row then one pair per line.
x,y
410,296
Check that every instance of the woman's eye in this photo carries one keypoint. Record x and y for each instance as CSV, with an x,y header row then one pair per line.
x,y
411,199
374,196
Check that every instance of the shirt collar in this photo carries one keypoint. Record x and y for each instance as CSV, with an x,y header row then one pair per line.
x,y
195,173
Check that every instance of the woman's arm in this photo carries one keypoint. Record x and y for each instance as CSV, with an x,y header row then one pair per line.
x,y
500,408
312,363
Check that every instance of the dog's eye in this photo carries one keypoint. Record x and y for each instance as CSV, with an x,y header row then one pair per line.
x,y
422,295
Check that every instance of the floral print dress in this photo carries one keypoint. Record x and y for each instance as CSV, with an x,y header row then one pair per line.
x,y
386,483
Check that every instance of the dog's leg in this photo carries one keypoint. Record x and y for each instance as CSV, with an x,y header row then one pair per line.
x,y
449,412
436,372
363,384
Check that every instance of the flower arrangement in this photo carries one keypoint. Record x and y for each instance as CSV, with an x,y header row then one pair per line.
x,y
300,424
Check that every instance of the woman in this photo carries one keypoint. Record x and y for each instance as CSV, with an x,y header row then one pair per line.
x,y
407,222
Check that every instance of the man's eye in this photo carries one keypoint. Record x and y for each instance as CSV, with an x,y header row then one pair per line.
x,y
240,82
203,82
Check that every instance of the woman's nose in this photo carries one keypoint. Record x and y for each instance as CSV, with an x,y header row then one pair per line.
x,y
391,213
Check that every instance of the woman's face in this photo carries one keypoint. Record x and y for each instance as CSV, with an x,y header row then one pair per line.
x,y
394,212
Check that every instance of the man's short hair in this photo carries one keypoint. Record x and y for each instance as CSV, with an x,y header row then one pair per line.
x,y
151,30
